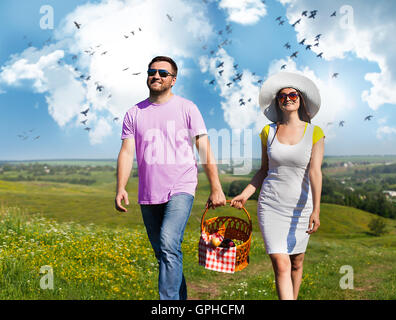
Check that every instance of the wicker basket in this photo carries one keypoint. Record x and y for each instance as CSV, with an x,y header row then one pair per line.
x,y
232,228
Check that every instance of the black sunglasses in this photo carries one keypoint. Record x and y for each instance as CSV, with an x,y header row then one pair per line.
x,y
162,72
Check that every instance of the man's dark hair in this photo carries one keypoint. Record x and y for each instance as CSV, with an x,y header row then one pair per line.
x,y
167,59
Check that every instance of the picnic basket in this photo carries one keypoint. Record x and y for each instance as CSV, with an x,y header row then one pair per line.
x,y
232,228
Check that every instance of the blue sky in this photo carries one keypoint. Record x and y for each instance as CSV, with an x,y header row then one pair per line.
x,y
42,93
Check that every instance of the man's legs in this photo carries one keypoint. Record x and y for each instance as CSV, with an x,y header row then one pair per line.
x,y
165,226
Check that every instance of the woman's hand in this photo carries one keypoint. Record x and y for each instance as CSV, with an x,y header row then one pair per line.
x,y
314,223
238,201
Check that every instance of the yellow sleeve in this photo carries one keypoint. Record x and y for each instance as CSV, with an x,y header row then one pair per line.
x,y
317,134
264,135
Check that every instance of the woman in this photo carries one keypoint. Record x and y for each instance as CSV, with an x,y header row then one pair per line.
x,y
290,176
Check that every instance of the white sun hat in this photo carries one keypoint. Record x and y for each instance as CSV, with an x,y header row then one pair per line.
x,y
281,80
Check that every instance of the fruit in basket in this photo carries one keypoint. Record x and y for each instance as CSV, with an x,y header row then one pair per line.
x,y
216,239
227,243
238,242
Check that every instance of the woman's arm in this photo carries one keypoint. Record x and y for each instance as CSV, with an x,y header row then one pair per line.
x,y
315,177
256,182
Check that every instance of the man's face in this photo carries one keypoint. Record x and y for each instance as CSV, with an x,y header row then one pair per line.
x,y
158,84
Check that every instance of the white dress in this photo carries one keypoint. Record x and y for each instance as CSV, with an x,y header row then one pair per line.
x,y
285,201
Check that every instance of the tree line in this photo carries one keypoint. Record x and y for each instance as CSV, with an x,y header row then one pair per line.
x,y
335,192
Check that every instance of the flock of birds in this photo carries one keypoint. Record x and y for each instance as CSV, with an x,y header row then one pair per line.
x,y
99,87
308,46
220,66
27,135
312,15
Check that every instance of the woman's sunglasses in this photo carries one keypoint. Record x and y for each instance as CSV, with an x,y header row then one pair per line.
x,y
163,73
292,96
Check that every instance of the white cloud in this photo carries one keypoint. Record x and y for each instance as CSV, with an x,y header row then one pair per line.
x,y
101,130
363,28
245,12
385,131
104,28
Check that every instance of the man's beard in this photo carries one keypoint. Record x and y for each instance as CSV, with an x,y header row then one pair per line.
x,y
158,89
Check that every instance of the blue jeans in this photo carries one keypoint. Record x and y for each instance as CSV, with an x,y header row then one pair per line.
x,y
165,224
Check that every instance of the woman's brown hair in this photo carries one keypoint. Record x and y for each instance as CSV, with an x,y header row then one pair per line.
x,y
302,110
303,114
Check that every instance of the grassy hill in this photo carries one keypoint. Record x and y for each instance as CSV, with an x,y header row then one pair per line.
x,y
98,253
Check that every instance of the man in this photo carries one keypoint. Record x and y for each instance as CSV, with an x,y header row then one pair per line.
x,y
163,128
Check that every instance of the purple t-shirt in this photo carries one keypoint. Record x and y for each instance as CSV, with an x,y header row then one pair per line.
x,y
165,156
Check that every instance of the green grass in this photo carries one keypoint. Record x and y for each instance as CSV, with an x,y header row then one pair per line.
x,y
106,254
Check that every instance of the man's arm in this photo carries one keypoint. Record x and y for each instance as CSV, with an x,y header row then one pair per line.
x,y
124,168
217,197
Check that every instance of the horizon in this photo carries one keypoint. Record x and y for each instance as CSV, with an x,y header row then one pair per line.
x,y
227,159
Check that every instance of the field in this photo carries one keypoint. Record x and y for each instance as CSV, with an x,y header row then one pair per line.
x,y
96,252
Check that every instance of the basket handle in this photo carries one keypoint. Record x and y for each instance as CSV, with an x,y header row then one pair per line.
x,y
228,201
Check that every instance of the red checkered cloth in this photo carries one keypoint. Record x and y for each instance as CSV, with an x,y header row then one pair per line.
x,y
216,258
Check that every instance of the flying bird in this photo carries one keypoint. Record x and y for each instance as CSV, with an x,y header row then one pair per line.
x,y
287,45
318,37
169,17
281,22
84,122
78,25
304,13
341,123
125,69
302,41
115,119
237,77
36,138
136,73
294,55
319,55
87,128
212,82
368,117
335,75
85,112
235,66
283,67
279,18
99,88
221,72
220,64
313,14
229,84
298,21
308,47
333,14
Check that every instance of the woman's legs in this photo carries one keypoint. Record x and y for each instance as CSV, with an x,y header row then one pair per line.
x,y
288,274
282,269
296,272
